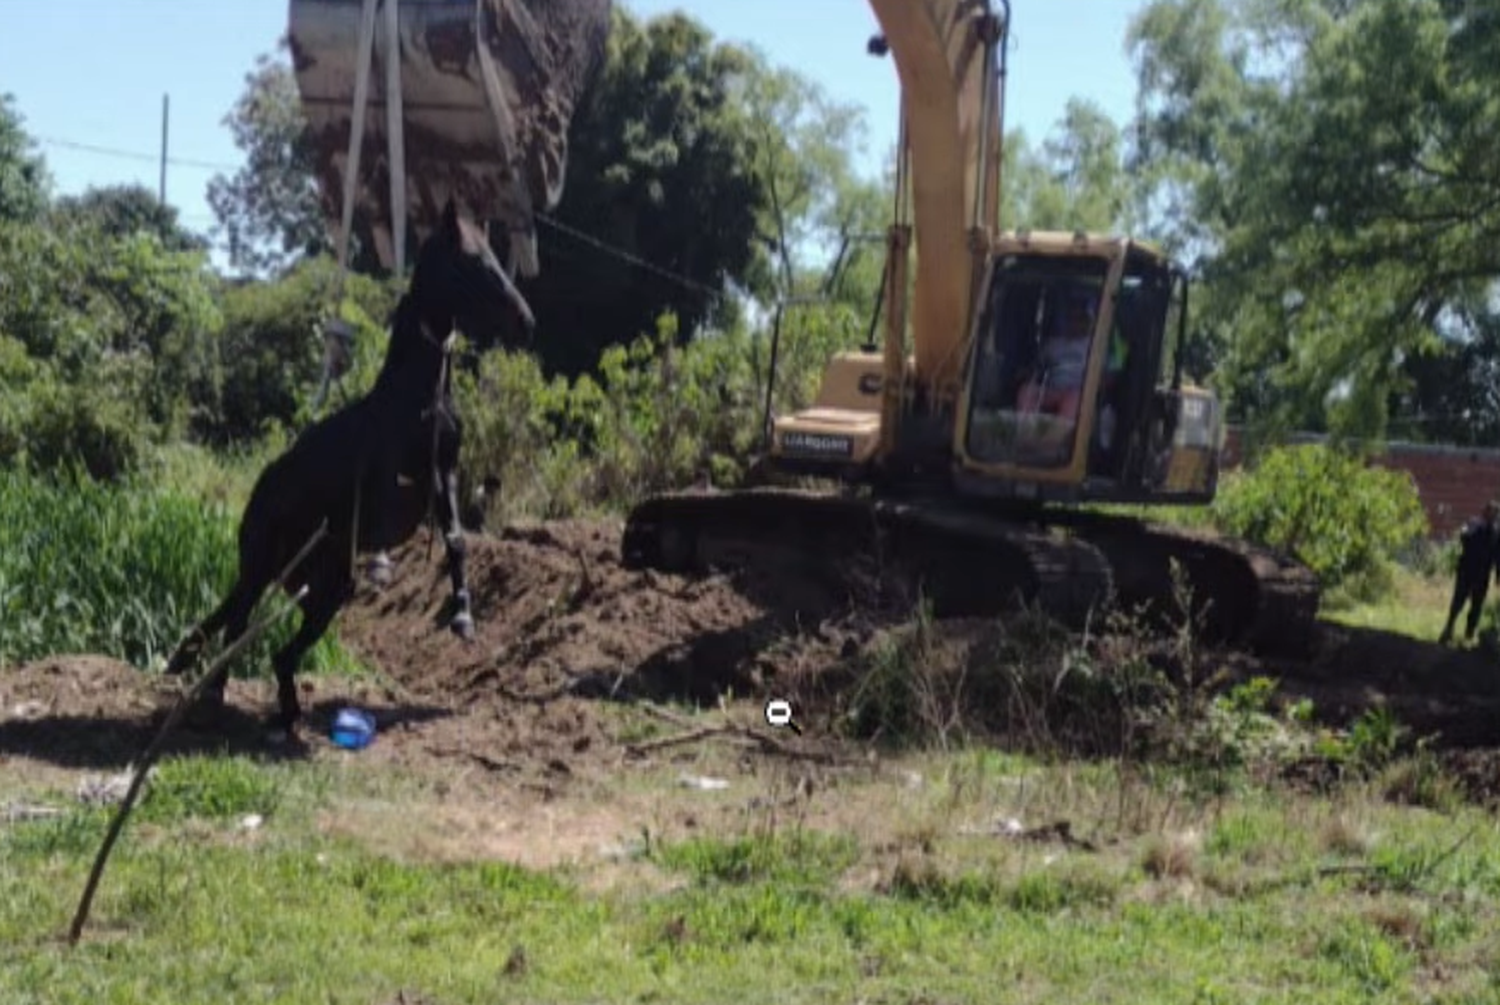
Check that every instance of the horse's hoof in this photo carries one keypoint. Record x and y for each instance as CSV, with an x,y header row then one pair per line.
x,y
380,572
205,713
463,627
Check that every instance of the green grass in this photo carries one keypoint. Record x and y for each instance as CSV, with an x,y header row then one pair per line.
x,y
1416,606
194,910
120,571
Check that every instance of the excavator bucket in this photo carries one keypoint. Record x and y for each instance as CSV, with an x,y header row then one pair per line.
x,y
484,92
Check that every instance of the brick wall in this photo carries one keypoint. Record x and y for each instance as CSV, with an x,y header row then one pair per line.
x,y
1454,482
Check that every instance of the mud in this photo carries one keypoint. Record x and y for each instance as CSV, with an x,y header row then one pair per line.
x,y
567,638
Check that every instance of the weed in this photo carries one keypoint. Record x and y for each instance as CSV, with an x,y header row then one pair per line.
x,y
1343,836
209,787
1171,856
1366,954
905,695
1421,780
804,858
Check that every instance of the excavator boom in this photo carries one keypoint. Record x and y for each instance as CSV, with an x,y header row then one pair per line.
x,y
945,53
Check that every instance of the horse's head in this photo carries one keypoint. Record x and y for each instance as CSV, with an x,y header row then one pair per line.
x,y
458,281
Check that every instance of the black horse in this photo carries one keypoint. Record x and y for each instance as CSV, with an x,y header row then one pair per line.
x,y
371,471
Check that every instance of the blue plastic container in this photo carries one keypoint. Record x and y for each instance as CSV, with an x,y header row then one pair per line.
x,y
353,729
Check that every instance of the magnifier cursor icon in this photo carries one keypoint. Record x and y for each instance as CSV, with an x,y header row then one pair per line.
x,y
779,715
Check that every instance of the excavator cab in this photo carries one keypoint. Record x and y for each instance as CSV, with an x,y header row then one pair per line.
x,y
1074,391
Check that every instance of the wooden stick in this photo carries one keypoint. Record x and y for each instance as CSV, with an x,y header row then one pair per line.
x,y
153,750
691,734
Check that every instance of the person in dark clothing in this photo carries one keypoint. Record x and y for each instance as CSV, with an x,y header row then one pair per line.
x,y
1477,557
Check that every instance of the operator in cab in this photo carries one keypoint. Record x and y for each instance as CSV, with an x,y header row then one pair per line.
x,y
1057,387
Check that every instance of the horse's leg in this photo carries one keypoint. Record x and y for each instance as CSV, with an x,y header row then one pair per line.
x,y
191,646
327,591
445,471
234,616
380,512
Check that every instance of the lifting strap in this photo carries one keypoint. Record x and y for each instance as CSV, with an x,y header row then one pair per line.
x,y
338,336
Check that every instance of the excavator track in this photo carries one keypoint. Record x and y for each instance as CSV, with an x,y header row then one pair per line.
x,y
1071,564
1240,594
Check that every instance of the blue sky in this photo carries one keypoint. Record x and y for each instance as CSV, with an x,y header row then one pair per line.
x,y
98,81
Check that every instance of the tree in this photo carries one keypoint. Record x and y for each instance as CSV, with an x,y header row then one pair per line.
x,y
24,179
663,204
1335,161
1076,179
268,212
109,341
126,210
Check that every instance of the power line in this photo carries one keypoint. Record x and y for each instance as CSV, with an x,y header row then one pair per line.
x,y
53,141
626,256
558,225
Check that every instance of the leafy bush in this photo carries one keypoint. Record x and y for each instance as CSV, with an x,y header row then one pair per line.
x,y
1342,517
94,427
269,357
658,415
105,340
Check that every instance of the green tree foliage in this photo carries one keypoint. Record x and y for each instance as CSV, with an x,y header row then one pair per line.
x,y
1344,518
1332,161
108,337
24,179
1076,179
801,153
268,211
124,211
269,355
660,167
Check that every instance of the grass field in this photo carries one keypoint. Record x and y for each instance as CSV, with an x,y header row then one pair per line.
x,y
1417,606
892,884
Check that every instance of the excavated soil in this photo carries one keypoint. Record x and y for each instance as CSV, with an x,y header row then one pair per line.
x,y
564,632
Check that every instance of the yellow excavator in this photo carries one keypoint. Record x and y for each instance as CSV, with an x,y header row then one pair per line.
x,y
1044,371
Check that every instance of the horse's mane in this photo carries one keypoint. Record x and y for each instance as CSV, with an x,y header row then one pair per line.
x,y
405,330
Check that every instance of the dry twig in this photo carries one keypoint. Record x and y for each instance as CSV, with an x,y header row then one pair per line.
x,y
153,750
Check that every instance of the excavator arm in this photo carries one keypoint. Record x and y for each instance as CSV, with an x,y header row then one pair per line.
x,y
947,55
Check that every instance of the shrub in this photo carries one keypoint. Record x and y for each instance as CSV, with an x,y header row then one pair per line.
x,y
657,416
1342,517
270,354
95,426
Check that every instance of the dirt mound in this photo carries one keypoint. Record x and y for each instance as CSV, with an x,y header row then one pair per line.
x,y
559,625
1452,694
556,612
80,685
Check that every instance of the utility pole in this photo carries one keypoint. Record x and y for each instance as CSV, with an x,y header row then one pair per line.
x,y
162,190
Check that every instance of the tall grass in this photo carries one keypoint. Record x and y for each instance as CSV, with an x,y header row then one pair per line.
x,y
117,570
